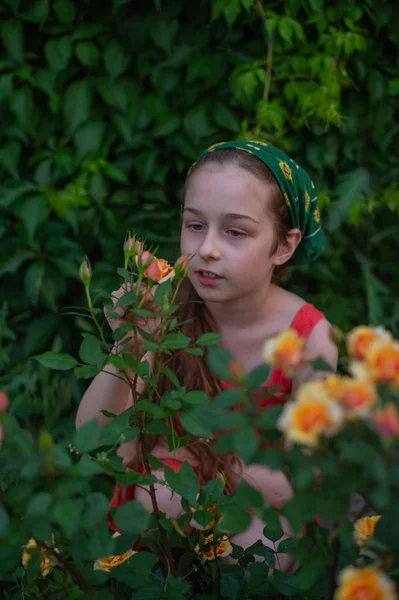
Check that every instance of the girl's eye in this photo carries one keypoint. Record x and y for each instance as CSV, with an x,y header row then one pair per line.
x,y
195,226
235,233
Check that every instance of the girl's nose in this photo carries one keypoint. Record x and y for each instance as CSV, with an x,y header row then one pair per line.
x,y
209,247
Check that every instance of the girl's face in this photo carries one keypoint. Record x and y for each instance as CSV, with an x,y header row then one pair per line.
x,y
228,228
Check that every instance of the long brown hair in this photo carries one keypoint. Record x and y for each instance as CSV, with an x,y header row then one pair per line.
x,y
193,371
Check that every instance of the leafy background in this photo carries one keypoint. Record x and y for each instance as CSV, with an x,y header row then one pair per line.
x,y
104,105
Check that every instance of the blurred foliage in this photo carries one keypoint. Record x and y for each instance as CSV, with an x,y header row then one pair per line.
x,y
104,105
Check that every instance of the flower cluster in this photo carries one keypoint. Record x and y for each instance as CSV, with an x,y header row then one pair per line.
x,y
322,407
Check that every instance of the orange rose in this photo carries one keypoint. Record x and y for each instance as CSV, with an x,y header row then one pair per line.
x,y
386,421
159,270
218,547
364,584
382,362
358,397
311,415
360,338
285,351
364,528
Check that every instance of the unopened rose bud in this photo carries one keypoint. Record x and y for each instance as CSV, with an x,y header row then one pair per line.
x,y
237,373
181,267
3,401
132,248
144,259
85,272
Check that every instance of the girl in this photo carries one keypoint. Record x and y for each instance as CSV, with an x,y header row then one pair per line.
x,y
248,212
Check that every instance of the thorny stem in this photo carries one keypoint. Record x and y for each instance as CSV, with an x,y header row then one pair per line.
x,y
74,571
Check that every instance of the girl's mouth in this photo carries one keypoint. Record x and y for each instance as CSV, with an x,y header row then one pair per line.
x,y
208,278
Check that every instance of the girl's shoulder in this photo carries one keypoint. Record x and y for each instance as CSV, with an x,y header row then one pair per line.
x,y
297,313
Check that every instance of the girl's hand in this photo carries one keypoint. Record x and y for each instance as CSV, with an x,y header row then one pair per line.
x,y
133,340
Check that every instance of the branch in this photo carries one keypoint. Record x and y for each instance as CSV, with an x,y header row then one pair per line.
x,y
162,533
74,571
332,583
268,76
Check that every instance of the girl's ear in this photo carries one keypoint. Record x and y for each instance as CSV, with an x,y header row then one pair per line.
x,y
287,247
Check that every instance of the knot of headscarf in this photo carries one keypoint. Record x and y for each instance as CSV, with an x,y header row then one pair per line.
x,y
298,191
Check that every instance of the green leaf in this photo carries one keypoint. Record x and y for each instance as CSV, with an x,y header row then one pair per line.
x,y
91,350
219,361
352,187
37,12
166,124
34,212
184,482
9,158
194,351
22,105
85,372
39,504
132,518
68,513
319,364
13,38
88,53
259,549
77,103
175,341
64,11
257,377
225,118
195,424
56,361
195,397
171,376
209,339
58,52
234,520
163,32
87,437
162,293
115,59
4,520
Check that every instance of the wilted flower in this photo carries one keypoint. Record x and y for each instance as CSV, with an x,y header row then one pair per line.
x,y
311,415
382,362
106,564
285,351
364,528
85,272
217,547
3,401
386,421
47,560
360,338
362,584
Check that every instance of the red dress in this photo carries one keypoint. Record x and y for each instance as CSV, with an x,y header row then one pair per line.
x,y
304,322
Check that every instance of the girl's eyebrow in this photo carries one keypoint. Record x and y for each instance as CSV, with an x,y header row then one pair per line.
x,y
195,211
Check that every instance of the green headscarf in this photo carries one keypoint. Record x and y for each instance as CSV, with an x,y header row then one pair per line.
x,y
298,190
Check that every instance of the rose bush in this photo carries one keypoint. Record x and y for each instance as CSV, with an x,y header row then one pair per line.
x,y
337,437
